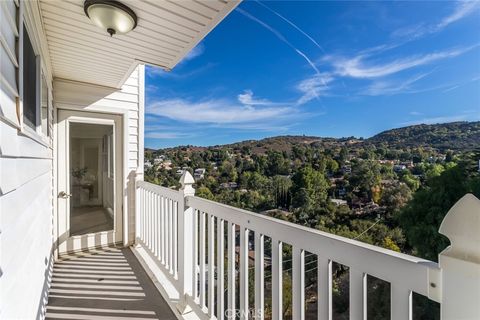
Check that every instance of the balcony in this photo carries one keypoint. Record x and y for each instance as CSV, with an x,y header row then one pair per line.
x,y
211,260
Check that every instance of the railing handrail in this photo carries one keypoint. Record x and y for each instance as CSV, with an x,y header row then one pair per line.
x,y
382,263
168,192
178,227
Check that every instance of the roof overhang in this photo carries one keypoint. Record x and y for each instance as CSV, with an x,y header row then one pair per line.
x,y
166,32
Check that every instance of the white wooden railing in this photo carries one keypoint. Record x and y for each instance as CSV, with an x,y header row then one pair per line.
x,y
191,237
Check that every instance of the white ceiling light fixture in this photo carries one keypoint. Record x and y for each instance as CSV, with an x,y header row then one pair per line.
x,y
110,15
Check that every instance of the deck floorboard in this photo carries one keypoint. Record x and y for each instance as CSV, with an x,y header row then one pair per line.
x,y
102,285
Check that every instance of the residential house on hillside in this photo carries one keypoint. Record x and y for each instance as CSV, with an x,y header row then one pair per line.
x,y
199,173
84,237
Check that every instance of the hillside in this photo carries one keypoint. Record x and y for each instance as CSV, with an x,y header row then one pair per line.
x,y
460,136
454,136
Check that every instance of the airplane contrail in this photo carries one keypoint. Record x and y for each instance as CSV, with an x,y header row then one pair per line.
x,y
281,37
292,24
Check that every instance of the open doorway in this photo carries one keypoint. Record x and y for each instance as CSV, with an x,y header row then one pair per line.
x,y
92,176
90,180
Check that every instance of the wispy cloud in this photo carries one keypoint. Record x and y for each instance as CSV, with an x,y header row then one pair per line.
x,y
388,87
461,10
280,36
221,112
296,27
246,98
362,67
415,113
452,87
167,135
442,119
313,87
195,52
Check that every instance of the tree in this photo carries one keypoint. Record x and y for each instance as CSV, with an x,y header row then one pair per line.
x,y
394,197
365,176
204,192
309,187
411,181
277,164
422,217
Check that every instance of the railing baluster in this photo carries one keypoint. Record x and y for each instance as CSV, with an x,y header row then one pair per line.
x,y
211,266
202,259
169,233
195,254
324,288
400,302
167,228
243,273
152,223
155,224
220,269
137,212
149,219
277,280
144,210
259,276
175,239
358,295
231,268
139,222
144,215
160,226
298,284
164,230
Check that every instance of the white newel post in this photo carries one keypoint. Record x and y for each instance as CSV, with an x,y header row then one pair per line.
x,y
460,262
185,243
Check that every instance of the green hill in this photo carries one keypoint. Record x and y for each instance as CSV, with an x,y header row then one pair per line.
x,y
459,136
455,136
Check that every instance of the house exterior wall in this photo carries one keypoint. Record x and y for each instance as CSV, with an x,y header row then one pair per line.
x,y
28,214
127,102
26,175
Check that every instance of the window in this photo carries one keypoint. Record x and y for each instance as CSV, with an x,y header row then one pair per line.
x,y
36,100
29,82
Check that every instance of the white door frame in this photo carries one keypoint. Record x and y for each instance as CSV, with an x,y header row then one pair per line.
x,y
66,243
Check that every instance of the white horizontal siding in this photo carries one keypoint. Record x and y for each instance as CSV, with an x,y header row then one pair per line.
x,y
26,189
25,170
13,145
25,247
87,97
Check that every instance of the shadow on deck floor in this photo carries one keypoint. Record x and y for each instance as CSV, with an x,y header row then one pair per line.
x,y
104,285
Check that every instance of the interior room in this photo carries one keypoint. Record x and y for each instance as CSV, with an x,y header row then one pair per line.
x,y
92,168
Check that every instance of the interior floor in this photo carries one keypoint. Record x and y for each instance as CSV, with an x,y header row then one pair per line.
x,y
89,219
104,284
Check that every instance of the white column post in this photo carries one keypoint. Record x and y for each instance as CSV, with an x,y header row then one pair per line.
x,y
185,243
460,262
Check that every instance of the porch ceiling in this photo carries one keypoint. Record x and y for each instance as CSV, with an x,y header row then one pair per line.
x,y
166,31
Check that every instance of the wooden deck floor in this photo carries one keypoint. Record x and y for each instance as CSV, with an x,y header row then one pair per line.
x,y
104,285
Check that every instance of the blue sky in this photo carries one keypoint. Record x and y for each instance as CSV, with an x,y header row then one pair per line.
x,y
320,68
